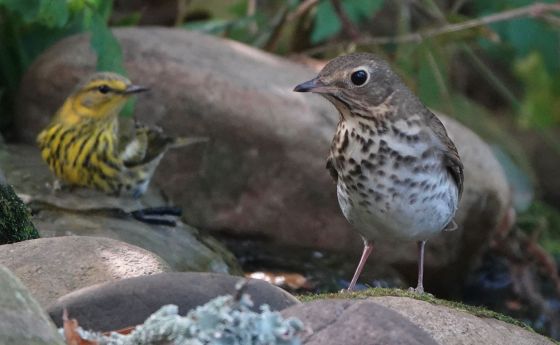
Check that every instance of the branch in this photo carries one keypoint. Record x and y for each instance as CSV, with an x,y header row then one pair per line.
x,y
347,26
535,10
301,9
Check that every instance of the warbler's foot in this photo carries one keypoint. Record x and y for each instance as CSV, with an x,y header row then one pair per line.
x,y
156,215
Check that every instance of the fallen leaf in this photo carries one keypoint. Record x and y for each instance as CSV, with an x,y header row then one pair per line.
x,y
293,281
71,331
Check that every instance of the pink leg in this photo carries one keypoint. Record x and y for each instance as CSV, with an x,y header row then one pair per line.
x,y
368,247
420,285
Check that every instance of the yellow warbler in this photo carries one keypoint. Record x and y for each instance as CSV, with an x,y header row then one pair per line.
x,y
86,145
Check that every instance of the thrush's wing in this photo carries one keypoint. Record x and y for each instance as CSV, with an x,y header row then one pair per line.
x,y
451,156
330,167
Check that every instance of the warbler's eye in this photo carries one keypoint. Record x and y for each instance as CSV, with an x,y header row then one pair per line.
x,y
104,89
359,77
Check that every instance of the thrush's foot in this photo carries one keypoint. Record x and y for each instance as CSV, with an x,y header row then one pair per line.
x,y
419,290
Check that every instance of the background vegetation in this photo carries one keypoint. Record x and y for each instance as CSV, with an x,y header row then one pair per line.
x,y
494,65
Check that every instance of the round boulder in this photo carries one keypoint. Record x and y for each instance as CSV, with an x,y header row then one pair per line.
x,y
356,322
52,267
402,320
449,326
129,302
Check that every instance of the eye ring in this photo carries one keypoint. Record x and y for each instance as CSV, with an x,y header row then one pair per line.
x,y
104,89
359,77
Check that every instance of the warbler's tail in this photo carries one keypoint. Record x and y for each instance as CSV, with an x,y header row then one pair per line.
x,y
186,141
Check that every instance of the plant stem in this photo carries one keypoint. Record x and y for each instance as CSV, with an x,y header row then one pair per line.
x,y
534,10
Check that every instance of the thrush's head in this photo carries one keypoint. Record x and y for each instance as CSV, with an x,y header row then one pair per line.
x,y
360,80
101,95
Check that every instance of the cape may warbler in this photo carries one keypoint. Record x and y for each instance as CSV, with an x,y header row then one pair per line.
x,y
87,145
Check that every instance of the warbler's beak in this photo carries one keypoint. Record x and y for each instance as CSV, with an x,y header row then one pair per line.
x,y
130,89
313,85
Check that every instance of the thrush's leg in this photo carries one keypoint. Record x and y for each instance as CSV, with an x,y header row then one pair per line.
x,y
420,285
368,247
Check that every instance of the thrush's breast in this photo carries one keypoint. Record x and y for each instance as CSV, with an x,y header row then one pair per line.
x,y
392,183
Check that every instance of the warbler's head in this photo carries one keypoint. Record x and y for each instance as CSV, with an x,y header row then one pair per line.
x,y
100,96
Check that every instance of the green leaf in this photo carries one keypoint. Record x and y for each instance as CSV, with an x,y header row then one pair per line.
x,y
27,9
53,13
130,20
546,218
359,10
239,8
108,49
432,77
326,24
541,100
104,8
428,90
527,35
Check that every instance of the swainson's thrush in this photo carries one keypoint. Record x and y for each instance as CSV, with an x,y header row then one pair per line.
x,y
398,174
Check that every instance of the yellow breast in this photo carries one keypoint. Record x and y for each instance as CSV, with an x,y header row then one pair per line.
x,y
82,154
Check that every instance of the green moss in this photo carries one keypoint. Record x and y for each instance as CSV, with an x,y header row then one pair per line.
x,y
15,223
381,292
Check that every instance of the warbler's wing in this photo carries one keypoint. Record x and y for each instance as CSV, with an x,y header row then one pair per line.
x,y
133,141
184,141
158,143
149,143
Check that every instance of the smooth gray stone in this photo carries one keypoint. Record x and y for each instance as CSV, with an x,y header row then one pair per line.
x,y
129,302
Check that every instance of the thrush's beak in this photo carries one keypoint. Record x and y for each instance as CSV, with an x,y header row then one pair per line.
x,y
313,85
130,89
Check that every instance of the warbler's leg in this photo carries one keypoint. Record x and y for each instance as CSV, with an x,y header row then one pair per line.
x,y
57,185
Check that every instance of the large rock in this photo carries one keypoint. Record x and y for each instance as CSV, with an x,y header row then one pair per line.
x,y
401,320
450,326
263,173
22,321
129,302
90,213
357,322
52,267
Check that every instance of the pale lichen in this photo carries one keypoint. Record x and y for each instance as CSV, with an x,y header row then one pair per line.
x,y
225,320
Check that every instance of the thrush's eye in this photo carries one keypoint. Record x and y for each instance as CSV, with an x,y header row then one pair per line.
x,y
104,89
359,77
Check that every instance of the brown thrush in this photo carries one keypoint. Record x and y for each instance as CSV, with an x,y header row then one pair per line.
x,y
398,174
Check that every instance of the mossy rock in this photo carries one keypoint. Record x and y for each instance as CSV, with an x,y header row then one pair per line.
x,y
382,292
15,223
447,322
